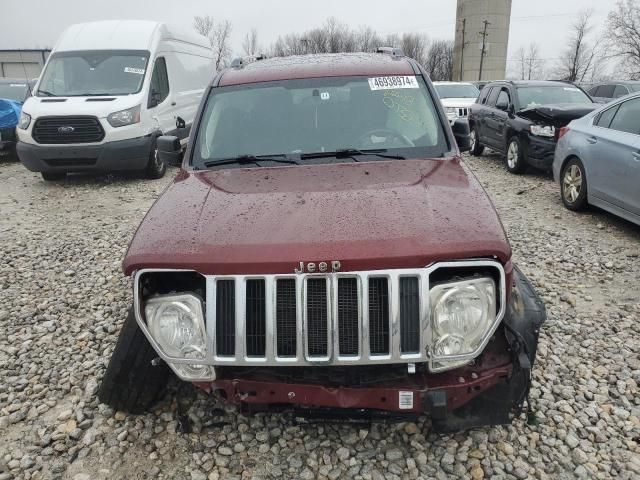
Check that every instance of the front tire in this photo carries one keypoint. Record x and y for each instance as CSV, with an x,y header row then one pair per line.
x,y
573,185
156,167
131,383
476,147
53,176
515,157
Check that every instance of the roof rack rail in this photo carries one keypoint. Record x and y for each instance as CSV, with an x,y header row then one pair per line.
x,y
240,62
393,51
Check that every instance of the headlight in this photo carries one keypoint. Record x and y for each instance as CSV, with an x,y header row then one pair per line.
x,y
462,315
125,117
25,120
451,111
176,323
542,130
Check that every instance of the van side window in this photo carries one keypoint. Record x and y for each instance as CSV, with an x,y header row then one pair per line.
x,y
159,83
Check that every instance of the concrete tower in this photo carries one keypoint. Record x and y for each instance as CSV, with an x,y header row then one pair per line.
x,y
481,22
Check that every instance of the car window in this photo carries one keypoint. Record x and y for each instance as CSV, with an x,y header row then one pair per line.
x,y
504,97
533,96
593,91
159,82
620,91
484,93
604,119
295,117
13,90
493,96
627,118
606,91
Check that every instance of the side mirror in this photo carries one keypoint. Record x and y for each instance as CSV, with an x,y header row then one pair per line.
x,y
504,106
462,133
154,99
169,150
180,123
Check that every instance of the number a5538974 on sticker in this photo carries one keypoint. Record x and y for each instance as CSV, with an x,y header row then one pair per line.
x,y
393,82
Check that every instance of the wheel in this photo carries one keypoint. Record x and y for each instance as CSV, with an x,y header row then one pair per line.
x,y
131,383
156,167
515,156
53,176
573,185
476,147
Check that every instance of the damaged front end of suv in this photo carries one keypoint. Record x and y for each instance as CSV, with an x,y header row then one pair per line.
x,y
326,281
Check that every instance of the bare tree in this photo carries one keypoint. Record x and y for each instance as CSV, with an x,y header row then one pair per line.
x,y
528,62
367,40
415,46
577,62
439,60
250,42
218,35
204,25
623,35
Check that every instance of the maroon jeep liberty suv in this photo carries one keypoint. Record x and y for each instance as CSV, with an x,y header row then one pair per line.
x,y
325,250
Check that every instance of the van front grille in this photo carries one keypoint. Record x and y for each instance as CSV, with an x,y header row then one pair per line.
x,y
64,130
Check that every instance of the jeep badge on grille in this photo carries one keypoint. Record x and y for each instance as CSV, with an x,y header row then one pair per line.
x,y
321,267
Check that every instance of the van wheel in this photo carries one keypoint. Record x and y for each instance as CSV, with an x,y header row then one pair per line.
x,y
476,147
132,383
156,167
515,156
53,176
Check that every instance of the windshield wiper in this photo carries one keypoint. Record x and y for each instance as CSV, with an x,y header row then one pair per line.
x,y
244,159
47,94
351,153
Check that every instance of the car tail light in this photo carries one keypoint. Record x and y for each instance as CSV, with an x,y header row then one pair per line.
x,y
562,132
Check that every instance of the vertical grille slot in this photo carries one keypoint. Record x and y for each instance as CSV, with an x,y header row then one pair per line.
x,y
317,328
225,317
348,316
409,315
286,317
255,315
378,316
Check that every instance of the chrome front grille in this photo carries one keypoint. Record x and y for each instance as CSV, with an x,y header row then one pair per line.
x,y
370,317
463,112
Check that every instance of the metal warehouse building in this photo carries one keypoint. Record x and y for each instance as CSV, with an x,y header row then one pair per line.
x,y
22,63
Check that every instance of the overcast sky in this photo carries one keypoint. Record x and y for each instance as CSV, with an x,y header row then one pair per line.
x,y
38,23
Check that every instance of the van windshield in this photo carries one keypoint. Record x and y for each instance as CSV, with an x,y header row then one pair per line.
x,y
297,118
89,73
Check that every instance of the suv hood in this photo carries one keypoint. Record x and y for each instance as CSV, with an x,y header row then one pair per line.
x,y
557,115
373,215
457,102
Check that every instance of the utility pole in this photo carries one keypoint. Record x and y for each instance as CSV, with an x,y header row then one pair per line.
x,y
484,43
464,24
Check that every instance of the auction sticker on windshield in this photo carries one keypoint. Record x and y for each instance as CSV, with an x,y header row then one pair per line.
x,y
389,83
139,71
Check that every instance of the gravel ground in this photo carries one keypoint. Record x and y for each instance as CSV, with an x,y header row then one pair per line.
x,y
63,298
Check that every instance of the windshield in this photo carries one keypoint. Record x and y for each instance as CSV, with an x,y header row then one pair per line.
x,y
530,97
297,117
14,91
457,91
98,73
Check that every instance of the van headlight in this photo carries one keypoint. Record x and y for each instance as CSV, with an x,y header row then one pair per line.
x,y
463,314
24,121
125,117
176,323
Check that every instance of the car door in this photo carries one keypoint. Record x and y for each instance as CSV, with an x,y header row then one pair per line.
x,y
613,164
159,102
480,111
497,119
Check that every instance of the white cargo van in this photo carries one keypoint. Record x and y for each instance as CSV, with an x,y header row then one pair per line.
x,y
107,91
